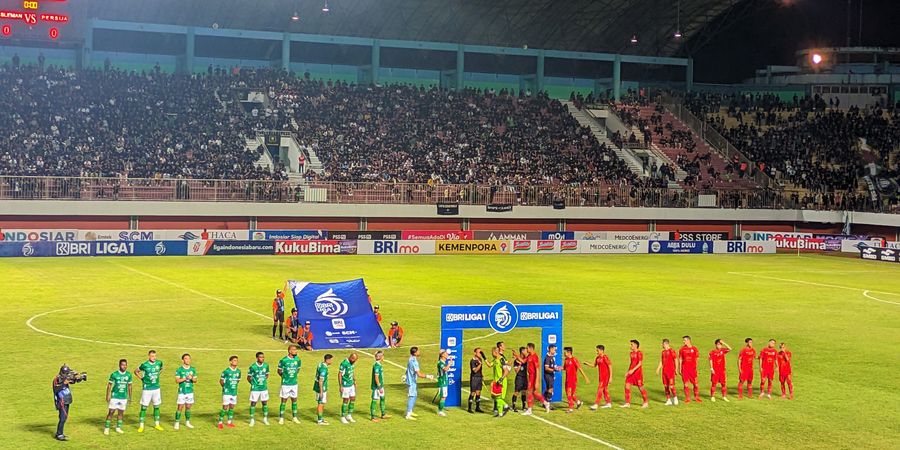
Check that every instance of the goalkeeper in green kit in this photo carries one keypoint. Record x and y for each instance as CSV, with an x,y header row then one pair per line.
x,y
258,376
378,387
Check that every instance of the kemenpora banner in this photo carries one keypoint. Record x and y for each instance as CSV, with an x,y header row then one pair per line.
x,y
340,315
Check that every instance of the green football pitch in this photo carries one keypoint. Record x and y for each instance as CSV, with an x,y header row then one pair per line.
x,y
840,317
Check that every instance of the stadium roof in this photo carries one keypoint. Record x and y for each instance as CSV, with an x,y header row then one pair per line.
x,y
579,25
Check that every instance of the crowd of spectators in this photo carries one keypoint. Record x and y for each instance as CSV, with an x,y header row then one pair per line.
x,y
427,135
112,123
807,142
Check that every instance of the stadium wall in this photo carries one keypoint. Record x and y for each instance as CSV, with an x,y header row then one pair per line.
x,y
347,217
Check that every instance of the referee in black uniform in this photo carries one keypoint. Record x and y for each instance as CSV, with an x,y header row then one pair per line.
x,y
278,315
476,379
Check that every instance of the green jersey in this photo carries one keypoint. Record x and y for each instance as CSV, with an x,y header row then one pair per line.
x,y
290,367
346,373
186,386
321,374
120,382
377,376
498,368
442,378
259,376
151,372
231,377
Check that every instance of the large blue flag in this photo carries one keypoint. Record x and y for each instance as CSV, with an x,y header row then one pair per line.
x,y
340,315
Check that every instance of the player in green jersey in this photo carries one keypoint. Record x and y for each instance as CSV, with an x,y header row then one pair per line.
x,y
378,387
149,372
229,380
347,376
186,377
289,368
320,387
442,381
118,393
258,377
501,370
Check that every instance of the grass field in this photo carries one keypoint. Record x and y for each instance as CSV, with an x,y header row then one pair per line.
x,y
840,316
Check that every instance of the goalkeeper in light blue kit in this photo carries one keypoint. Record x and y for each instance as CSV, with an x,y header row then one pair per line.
x,y
411,378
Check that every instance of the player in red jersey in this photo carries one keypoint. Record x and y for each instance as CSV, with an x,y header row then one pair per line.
x,y
571,367
767,357
532,363
688,356
745,368
784,370
635,375
668,363
604,370
717,369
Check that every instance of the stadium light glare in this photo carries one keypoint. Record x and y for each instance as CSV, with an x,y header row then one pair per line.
x,y
634,39
296,16
325,8
817,58
678,34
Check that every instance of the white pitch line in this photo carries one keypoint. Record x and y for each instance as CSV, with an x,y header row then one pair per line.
x,y
172,283
31,325
813,283
211,297
866,294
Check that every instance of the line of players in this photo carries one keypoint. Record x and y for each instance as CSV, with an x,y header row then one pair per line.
x,y
683,362
119,389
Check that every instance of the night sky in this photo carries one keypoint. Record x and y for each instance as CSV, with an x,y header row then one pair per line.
x,y
771,34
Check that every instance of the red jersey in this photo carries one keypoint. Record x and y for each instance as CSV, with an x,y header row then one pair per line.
x,y
767,358
717,357
784,362
532,362
668,361
570,366
602,363
746,358
637,357
689,356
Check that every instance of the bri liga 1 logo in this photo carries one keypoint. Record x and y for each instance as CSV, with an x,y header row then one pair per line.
x,y
503,316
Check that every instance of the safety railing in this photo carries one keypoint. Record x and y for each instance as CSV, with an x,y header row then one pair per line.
x,y
601,195
713,137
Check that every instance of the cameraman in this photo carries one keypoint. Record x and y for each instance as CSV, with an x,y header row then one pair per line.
x,y
62,396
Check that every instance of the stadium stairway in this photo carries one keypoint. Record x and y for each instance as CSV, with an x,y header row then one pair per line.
x,y
313,161
265,159
702,147
599,132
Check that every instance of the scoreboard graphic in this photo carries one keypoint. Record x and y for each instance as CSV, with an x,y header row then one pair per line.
x,y
34,19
